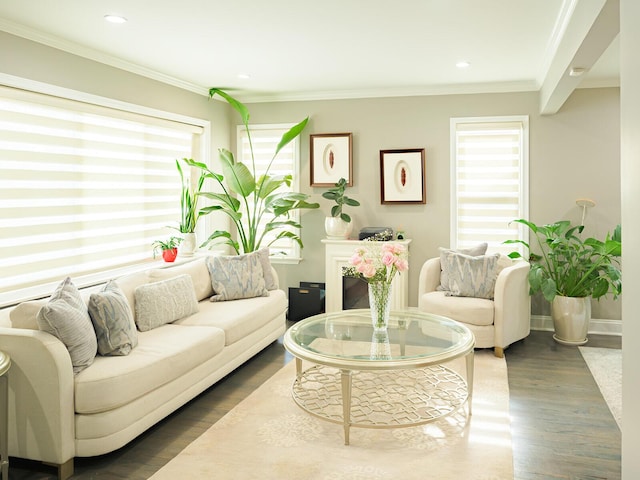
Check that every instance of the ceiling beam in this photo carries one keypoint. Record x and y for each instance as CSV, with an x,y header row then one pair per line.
x,y
578,51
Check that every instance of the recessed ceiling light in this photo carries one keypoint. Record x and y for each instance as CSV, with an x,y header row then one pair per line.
x,y
115,19
244,76
463,64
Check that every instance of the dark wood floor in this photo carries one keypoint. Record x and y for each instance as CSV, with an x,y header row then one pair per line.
x,y
561,425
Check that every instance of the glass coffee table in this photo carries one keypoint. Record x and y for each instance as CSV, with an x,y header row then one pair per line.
x,y
364,378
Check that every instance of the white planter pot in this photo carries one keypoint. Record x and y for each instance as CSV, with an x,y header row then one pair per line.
x,y
571,316
337,228
188,245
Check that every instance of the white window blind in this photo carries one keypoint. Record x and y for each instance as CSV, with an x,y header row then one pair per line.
x,y
83,188
265,139
489,181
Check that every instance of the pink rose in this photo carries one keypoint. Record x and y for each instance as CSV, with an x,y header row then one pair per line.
x,y
388,258
402,264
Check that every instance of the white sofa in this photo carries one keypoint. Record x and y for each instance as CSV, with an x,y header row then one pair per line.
x,y
55,415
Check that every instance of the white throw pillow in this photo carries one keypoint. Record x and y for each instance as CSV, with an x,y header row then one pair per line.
x,y
474,251
471,276
65,316
164,302
236,277
113,321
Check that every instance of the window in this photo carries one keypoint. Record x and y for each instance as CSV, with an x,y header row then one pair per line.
x,y
265,139
489,175
85,189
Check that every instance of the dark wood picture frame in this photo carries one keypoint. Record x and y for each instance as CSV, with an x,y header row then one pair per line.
x,y
331,158
402,176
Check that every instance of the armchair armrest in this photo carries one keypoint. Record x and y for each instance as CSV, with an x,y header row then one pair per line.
x,y
512,304
41,396
429,278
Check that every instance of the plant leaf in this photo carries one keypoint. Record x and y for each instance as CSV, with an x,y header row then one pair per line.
x,y
238,106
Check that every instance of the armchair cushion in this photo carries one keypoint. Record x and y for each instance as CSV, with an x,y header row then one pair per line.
x,y
469,310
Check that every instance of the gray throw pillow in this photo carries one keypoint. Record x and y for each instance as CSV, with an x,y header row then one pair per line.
x,y
236,277
113,321
65,316
164,302
269,279
472,276
474,251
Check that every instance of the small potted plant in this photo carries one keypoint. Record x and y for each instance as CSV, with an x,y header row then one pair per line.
x,y
189,207
338,225
169,248
569,271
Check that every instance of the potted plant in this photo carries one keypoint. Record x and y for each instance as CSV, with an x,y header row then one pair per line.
x,y
169,248
247,199
338,225
570,271
189,214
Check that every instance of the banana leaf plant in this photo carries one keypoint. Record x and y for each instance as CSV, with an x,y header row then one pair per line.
x,y
569,266
247,199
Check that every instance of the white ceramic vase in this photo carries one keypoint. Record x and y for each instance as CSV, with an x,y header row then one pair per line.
x,y
571,316
337,228
188,244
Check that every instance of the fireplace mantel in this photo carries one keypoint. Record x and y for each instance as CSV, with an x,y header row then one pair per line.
x,y
337,255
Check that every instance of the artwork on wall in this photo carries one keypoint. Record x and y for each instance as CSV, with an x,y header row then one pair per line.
x,y
402,176
330,159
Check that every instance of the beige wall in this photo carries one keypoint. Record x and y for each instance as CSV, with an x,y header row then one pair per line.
x,y
573,154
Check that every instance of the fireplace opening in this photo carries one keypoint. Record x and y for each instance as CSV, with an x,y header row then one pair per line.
x,y
355,293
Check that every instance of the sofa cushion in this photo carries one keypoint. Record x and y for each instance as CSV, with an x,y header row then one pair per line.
x,y
471,276
162,355
469,310
269,280
236,277
112,320
240,317
474,251
128,284
196,269
163,302
65,316
24,315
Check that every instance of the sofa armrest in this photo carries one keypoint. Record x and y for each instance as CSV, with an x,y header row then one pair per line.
x,y
429,278
512,304
41,396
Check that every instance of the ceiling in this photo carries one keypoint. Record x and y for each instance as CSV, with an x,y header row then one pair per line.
x,y
292,49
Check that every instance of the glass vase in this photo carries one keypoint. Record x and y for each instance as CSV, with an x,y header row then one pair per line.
x,y
380,304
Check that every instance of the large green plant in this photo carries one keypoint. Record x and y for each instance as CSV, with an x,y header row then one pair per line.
x,y
189,199
569,266
336,193
246,199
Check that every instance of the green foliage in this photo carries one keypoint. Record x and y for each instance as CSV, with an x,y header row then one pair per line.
x,y
336,194
570,266
246,199
189,200
161,245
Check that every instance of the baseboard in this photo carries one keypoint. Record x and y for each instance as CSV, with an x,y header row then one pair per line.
x,y
597,326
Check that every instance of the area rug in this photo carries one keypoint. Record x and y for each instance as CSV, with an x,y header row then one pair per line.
x,y
605,365
267,436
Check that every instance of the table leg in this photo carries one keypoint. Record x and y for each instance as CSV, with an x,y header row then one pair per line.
x,y
298,368
4,426
469,361
345,376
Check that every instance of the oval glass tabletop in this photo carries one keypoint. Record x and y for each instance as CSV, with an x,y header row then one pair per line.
x,y
346,339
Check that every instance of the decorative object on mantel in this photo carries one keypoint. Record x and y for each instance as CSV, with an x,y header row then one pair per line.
x,y
569,271
248,198
339,225
169,248
330,157
189,209
377,263
380,233
402,176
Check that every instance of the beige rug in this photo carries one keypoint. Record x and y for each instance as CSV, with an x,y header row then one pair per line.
x,y
605,365
267,436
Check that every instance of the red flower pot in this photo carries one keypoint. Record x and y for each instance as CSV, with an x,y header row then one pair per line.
x,y
170,254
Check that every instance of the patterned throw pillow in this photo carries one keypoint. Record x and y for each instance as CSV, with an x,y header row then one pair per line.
x,y
113,321
269,280
65,316
164,302
475,251
472,276
236,277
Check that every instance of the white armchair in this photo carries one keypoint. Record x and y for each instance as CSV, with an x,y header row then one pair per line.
x,y
495,323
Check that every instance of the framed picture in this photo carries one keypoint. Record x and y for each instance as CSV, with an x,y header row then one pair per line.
x,y
330,159
402,178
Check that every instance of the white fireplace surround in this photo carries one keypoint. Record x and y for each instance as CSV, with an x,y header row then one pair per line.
x,y
337,255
